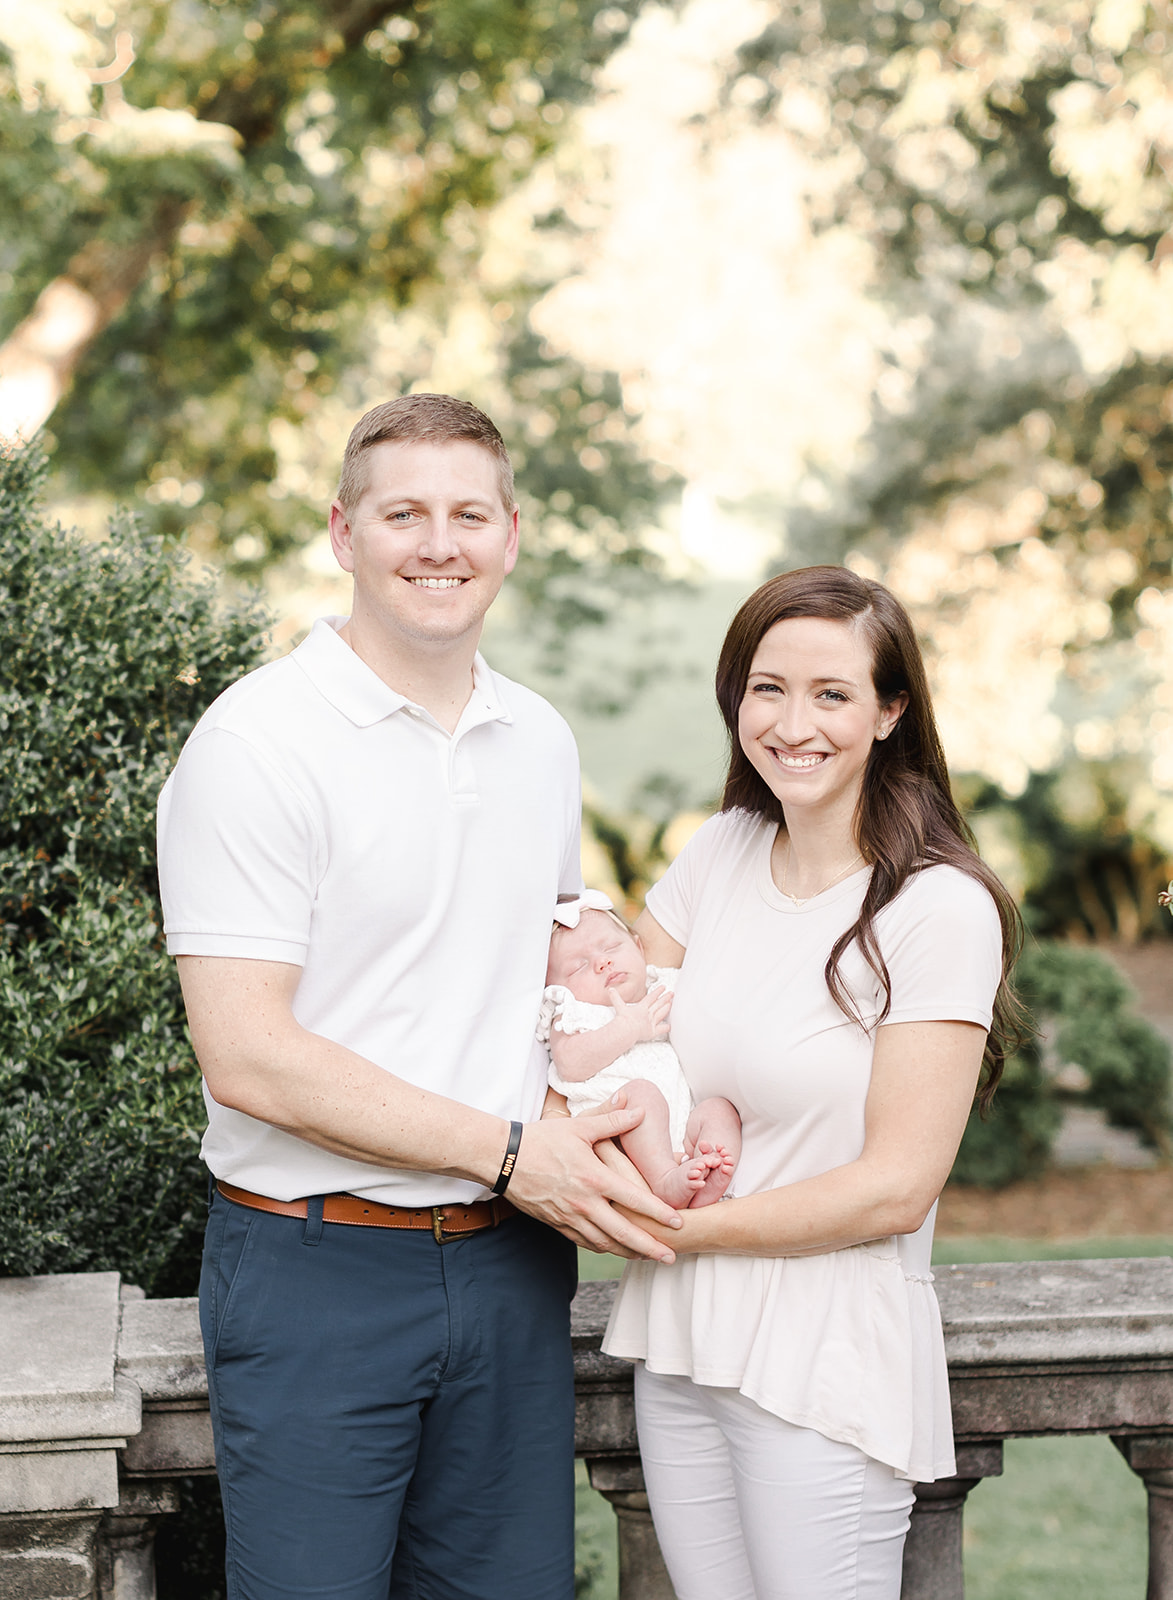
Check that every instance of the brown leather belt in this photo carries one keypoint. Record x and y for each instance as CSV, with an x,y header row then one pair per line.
x,y
443,1222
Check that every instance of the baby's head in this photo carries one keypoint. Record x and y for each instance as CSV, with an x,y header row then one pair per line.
x,y
598,958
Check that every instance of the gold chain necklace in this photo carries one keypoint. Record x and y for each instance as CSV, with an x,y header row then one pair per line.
x,y
793,898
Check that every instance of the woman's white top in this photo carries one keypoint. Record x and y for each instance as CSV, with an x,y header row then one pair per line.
x,y
848,1343
653,1059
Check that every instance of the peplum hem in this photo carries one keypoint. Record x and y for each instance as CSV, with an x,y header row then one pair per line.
x,y
849,1344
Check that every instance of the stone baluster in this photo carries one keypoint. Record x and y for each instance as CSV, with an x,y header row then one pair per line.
x,y
1152,1460
126,1566
932,1553
642,1574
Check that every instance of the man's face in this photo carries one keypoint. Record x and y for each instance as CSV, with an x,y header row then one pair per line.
x,y
597,959
429,542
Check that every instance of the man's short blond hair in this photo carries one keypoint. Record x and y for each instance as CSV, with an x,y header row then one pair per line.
x,y
420,419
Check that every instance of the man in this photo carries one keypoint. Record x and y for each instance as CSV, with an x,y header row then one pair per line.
x,y
360,851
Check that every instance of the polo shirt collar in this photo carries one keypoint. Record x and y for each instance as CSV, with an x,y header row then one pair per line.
x,y
486,702
352,688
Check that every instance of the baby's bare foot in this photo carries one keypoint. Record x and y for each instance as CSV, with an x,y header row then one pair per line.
x,y
678,1185
718,1176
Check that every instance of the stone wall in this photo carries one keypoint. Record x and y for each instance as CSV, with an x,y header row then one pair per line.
x,y
103,1405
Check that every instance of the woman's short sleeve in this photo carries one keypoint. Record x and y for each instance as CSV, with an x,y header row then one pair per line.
x,y
942,941
672,901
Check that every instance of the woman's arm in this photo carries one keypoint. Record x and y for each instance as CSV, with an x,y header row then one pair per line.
x,y
659,947
922,1086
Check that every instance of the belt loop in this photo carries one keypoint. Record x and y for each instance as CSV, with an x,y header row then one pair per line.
x,y
211,1191
314,1207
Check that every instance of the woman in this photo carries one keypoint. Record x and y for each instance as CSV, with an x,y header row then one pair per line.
x,y
844,954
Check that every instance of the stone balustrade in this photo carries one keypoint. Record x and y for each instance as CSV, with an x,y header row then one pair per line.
x,y
103,1406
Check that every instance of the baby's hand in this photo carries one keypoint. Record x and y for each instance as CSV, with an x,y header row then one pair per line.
x,y
649,1016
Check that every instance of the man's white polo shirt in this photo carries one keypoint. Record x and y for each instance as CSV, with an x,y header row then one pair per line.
x,y
317,817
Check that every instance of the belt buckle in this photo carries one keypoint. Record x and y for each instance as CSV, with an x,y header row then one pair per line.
x,y
438,1227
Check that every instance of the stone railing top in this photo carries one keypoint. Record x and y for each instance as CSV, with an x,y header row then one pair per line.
x,y
160,1348
76,1361
1004,1314
58,1340
1057,1311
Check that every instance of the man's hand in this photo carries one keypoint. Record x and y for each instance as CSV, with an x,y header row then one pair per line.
x,y
560,1180
647,1018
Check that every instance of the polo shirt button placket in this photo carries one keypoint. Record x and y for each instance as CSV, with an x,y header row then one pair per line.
x,y
462,790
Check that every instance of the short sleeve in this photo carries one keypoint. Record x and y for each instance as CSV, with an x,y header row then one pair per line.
x,y
238,855
554,997
942,941
673,899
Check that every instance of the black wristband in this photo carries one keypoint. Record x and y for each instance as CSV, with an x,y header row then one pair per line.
x,y
510,1160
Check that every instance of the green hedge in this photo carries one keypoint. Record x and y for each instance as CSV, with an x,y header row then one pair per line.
x,y
1084,1007
109,652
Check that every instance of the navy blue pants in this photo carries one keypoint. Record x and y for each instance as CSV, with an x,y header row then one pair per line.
x,y
394,1418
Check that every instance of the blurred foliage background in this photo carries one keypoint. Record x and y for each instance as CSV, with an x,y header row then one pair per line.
x,y
747,283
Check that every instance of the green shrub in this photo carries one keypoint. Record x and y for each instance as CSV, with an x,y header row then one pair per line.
x,y
1083,1006
109,652
1015,1140
1087,1006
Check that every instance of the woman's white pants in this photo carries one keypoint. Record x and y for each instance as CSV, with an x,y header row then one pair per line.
x,y
750,1507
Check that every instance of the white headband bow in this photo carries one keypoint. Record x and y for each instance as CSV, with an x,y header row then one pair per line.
x,y
569,911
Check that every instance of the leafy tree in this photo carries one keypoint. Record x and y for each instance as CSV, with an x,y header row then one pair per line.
x,y
1007,164
109,651
208,238
992,152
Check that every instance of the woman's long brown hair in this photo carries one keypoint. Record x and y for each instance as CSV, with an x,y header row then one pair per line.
x,y
906,817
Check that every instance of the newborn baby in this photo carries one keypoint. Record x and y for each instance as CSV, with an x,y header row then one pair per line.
x,y
608,1031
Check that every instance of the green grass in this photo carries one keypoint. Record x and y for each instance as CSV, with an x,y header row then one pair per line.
x,y
596,1546
978,1247
1067,1519
592,1267
997,1248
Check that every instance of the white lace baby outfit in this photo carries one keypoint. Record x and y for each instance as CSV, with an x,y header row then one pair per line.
x,y
848,1343
653,1059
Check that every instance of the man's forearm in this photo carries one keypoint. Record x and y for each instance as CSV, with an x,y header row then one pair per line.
x,y
257,1059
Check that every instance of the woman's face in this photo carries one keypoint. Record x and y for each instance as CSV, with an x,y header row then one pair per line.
x,y
809,715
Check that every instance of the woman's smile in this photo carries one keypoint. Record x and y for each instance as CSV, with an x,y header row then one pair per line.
x,y
805,762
